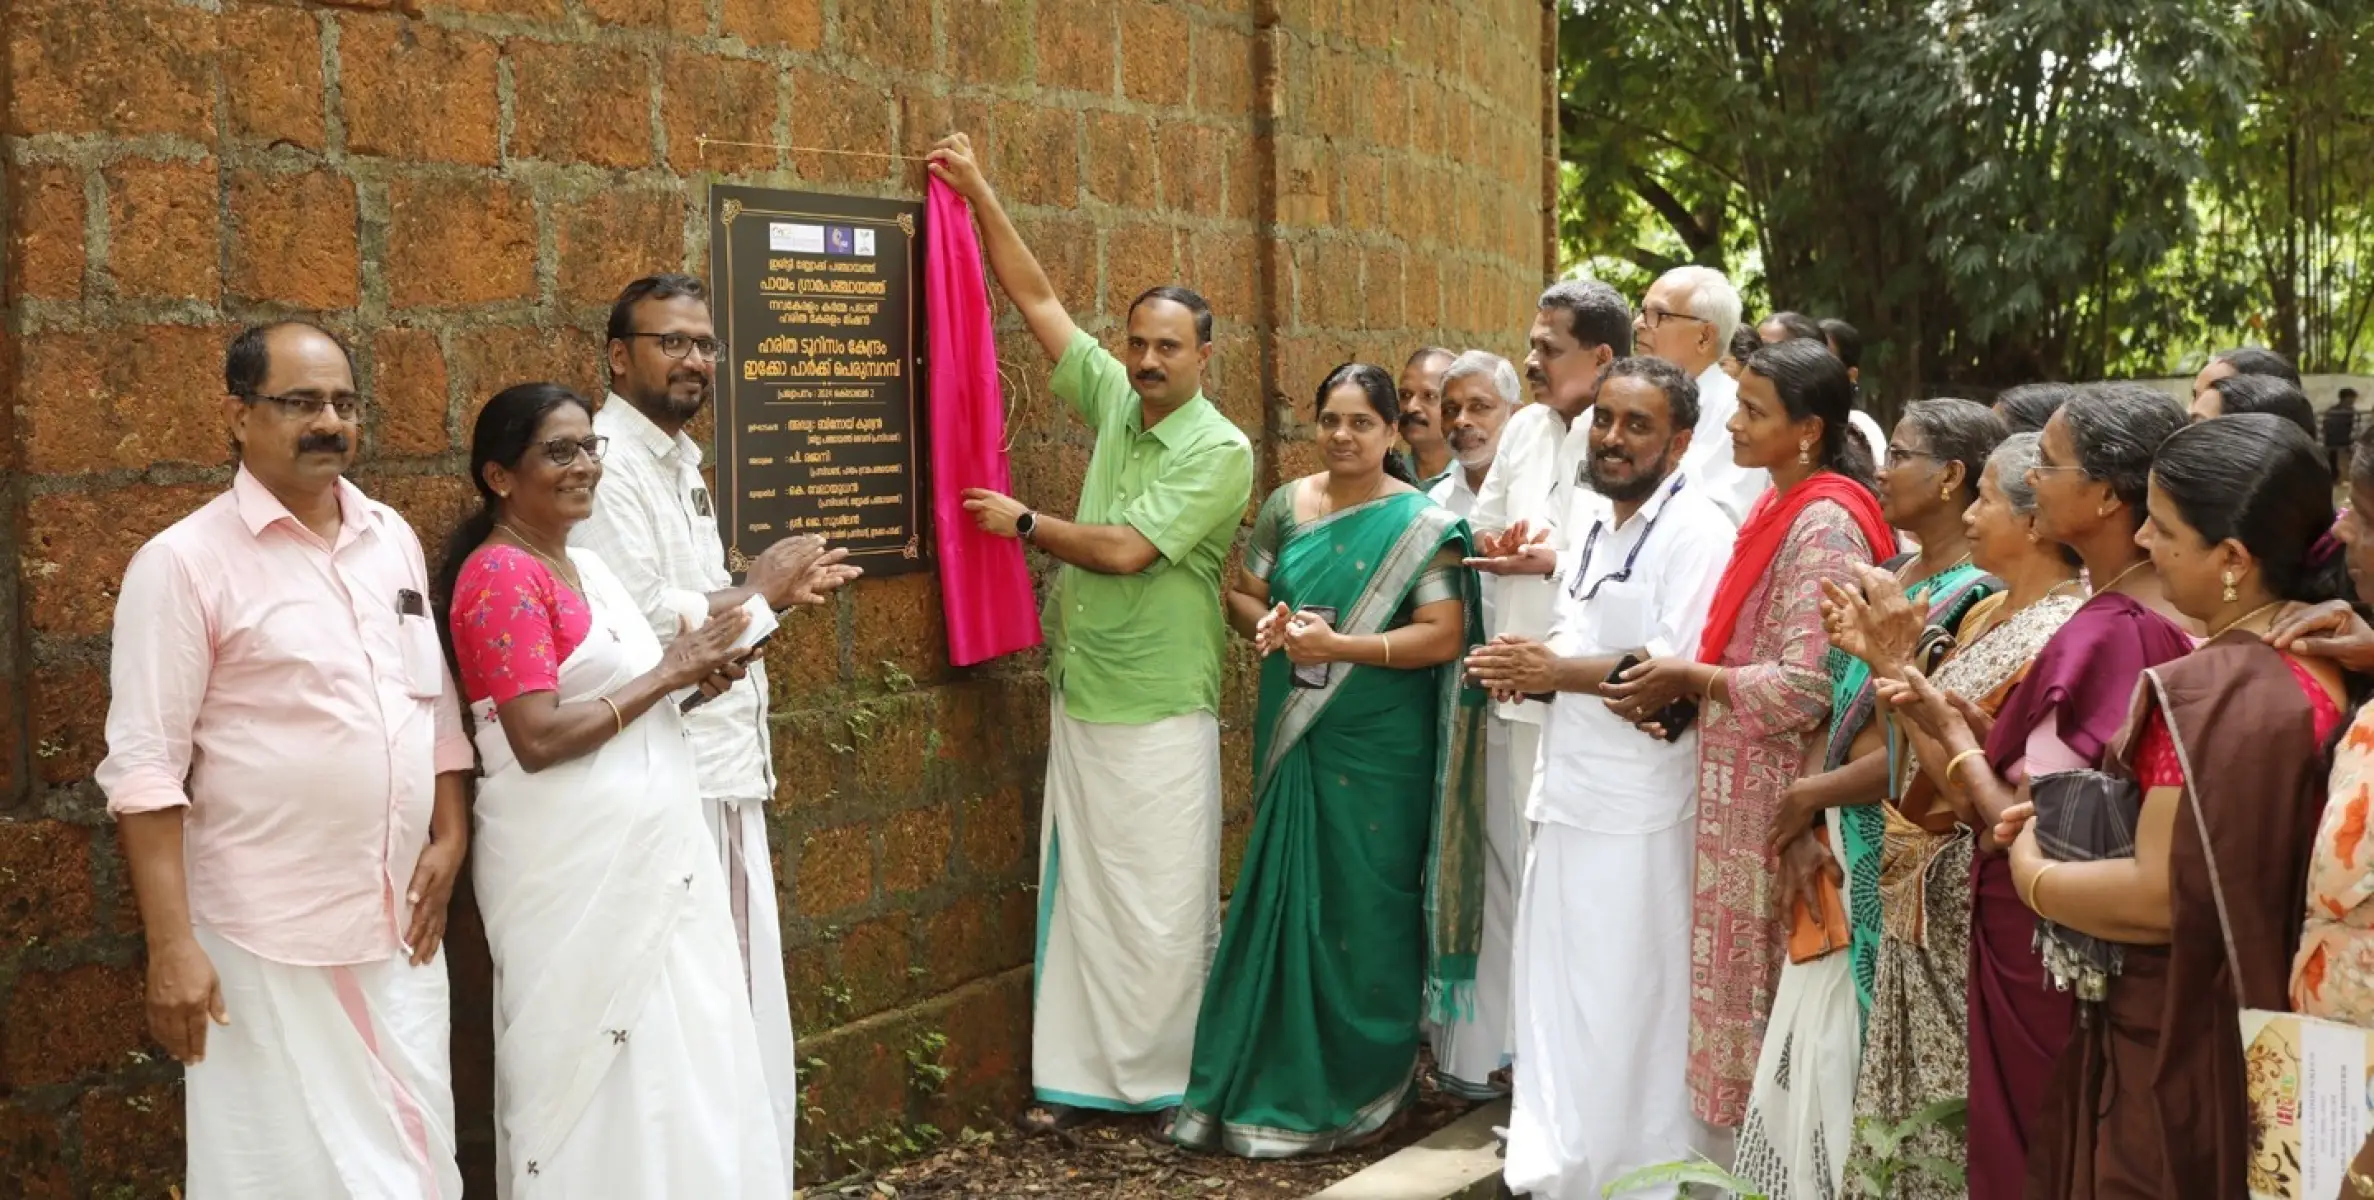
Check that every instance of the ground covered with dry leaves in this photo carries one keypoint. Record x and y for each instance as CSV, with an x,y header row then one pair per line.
x,y
1123,1159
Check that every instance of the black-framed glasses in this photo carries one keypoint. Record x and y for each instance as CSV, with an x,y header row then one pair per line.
x,y
678,345
306,406
564,451
1652,318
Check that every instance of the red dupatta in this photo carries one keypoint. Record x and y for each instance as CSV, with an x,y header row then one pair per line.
x,y
1760,539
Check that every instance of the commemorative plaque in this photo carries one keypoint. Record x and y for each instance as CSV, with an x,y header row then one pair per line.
x,y
819,300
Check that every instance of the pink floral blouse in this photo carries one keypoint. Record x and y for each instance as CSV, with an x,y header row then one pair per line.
x,y
514,623
2333,976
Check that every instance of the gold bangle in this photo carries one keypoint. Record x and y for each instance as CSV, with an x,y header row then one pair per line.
x,y
2362,1183
2037,882
1387,643
617,718
1953,764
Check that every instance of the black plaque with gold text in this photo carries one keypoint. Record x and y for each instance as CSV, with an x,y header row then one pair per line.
x,y
820,302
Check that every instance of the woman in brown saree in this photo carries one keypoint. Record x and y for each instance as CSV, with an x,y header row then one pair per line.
x,y
2227,746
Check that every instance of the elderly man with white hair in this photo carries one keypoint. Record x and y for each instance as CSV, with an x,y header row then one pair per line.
x,y
1687,318
1479,392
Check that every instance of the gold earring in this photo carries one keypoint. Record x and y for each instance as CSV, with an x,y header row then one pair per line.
x,y
1804,453
2228,580
1945,492
2033,536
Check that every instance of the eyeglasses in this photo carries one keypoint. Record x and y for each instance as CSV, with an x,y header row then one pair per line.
x,y
1651,318
1899,454
677,345
564,451
347,405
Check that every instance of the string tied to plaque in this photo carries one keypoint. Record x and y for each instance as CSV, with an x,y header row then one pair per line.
x,y
702,142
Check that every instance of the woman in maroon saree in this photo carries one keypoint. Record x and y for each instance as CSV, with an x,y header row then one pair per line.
x,y
2091,478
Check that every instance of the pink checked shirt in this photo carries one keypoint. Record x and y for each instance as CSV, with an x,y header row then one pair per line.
x,y
283,689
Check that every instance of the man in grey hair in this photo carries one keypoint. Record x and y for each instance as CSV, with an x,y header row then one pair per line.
x,y
1687,319
1579,327
1479,393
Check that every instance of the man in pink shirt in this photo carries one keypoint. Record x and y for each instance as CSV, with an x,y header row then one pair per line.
x,y
289,778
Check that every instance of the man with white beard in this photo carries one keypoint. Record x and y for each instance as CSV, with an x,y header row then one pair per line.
x,y
1602,974
1478,394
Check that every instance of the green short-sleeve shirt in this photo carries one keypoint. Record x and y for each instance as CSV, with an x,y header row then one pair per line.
x,y
1134,649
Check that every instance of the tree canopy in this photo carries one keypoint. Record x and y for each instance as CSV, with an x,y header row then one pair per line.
x,y
1994,190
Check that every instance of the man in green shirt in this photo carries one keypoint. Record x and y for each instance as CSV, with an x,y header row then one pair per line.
x,y
1129,903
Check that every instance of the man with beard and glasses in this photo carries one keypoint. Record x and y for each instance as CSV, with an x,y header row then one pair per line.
x,y
1423,428
289,777
1129,867
655,525
1479,392
1603,926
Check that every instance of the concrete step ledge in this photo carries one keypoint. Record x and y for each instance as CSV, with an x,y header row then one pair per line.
x,y
1460,1161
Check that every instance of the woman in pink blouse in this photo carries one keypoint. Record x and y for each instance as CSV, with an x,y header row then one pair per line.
x,y
626,1061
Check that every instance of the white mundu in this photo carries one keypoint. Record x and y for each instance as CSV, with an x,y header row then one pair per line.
x,y
1467,1052
1603,925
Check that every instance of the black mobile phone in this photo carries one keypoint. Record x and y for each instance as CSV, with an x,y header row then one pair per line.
x,y
1315,675
1675,718
698,699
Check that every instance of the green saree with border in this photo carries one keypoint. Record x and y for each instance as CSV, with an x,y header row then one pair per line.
x,y
1358,908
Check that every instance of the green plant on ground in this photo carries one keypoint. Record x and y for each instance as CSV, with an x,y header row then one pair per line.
x,y
1891,1157
1693,1170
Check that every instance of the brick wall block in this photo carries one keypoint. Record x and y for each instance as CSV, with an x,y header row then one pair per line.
x,y
589,104
979,935
730,98
1078,44
409,396
45,233
162,229
77,545
1123,160
836,871
454,242
417,91
990,40
45,883
125,68
870,964
131,1139
899,624
915,849
293,239
794,24
1154,68
897,37
485,359
674,16
997,832
614,236
73,1022
34,1147
834,111
127,397
272,80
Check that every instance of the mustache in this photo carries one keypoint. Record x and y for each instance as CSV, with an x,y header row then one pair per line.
x,y
1150,377
323,443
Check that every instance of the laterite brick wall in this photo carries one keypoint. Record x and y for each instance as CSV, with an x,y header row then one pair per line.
x,y
460,186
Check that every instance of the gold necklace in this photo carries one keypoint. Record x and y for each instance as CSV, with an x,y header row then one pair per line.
x,y
562,569
2121,577
1333,508
2228,627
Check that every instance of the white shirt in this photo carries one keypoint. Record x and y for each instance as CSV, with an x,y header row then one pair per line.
x,y
1732,487
1453,493
1532,480
655,525
1872,437
1598,773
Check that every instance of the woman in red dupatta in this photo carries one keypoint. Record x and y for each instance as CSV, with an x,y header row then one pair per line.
x,y
1759,672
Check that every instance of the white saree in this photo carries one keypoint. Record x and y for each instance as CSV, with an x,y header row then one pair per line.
x,y
626,1061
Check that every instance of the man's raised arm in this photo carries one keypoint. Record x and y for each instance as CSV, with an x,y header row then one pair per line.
x,y
1016,268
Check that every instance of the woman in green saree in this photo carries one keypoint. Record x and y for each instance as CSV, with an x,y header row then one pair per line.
x,y
1358,906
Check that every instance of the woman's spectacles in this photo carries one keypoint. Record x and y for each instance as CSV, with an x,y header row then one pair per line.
x,y
677,345
347,405
1899,454
564,451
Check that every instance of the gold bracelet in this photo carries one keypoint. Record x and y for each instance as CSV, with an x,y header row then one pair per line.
x,y
2036,883
1956,762
1387,643
2362,1183
617,718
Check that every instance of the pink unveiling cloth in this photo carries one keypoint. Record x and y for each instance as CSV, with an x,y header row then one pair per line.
x,y
984,582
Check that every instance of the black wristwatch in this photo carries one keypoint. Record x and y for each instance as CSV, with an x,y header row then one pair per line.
x,y
1026,524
